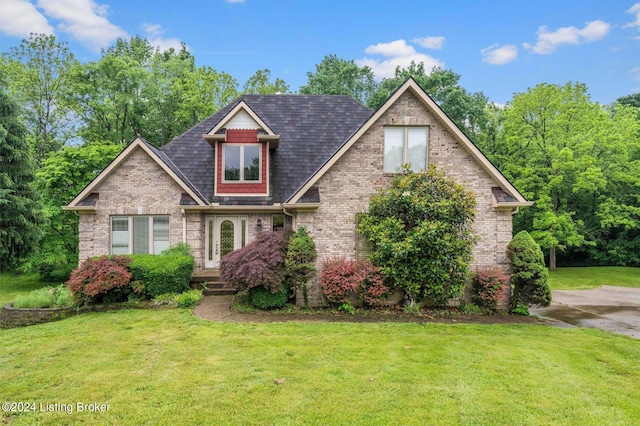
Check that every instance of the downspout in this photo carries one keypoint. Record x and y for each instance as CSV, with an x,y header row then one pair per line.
x,y
516,210
184,226
293,218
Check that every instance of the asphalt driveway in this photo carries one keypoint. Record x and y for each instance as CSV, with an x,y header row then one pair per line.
x,y
616,309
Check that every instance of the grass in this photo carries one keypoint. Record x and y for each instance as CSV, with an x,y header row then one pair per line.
x,y
12,286
168,367
584,278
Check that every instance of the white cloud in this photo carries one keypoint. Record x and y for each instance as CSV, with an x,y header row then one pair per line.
x,y
549,41
84,20
499,55
391,49
398,54
154,35
19,18
636,73
430,42
634,10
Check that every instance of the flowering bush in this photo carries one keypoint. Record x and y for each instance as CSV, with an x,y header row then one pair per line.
x,y
486,285
341,278
95,279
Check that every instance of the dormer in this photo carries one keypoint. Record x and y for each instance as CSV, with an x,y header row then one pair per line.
x,y
241,141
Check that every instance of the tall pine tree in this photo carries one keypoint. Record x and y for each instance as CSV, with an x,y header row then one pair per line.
x,y
20,214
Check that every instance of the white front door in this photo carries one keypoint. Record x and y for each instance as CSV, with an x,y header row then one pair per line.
x,y
223,234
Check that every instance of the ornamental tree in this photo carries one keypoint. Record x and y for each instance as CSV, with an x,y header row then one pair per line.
x,y
420,230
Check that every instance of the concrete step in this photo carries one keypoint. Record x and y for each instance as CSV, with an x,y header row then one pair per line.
x,y
219,291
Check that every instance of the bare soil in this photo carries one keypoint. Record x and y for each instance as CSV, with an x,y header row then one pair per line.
x,y
218,308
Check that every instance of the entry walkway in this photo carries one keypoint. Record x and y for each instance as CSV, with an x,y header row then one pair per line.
x,y
616,309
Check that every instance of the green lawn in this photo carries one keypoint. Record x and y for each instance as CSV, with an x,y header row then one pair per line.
x,y
593,277
169,367
12,285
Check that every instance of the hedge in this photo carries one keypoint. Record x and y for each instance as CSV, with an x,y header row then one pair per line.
x,y
170,273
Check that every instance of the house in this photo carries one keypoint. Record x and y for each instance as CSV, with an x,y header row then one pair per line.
x,y
269,161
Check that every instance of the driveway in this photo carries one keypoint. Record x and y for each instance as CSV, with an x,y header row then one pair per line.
x,y
616,309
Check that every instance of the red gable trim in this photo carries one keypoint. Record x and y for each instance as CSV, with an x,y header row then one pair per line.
x,y
242,136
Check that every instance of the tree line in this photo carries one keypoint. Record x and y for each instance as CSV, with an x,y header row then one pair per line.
x,y
63,121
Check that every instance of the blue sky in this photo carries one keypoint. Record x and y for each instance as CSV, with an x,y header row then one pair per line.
x,y
498,47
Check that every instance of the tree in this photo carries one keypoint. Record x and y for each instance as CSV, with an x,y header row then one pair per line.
x,y
335,76
62,176
260,84
570,155
466,109
20,216
40,74
110,92
420,229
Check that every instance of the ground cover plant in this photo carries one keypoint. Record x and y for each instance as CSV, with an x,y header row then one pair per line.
x,y
169,367
46,297
583,278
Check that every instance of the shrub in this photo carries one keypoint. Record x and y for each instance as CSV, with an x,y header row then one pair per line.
x,y
259,263
529,274
95,279
486,286
180,248
420,230
299,263
188,299
342,278
46,297
263,298
168,273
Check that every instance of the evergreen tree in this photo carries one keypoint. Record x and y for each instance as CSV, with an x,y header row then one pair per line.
x,y
20,214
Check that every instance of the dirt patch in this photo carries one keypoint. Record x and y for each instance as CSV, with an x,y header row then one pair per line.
x,y
218,308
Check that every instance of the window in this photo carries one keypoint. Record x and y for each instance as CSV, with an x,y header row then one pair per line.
x,y
241,163
277,222
139,234
405,145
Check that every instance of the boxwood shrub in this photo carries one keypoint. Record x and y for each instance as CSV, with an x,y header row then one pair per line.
x,y
169,273
263,298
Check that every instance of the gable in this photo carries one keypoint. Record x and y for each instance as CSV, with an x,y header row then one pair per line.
x,y
137,147
310,129
411,92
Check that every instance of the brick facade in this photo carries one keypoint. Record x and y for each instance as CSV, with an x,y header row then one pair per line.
x,y
139,186
346,188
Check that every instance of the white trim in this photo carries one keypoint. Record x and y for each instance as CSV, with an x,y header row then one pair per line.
x,y
216,193
130,231
242,105
411,84
242,164
137,143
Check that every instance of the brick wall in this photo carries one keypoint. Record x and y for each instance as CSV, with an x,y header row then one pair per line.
x,y
346,188
139,186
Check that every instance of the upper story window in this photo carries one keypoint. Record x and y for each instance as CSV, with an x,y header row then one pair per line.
x,y
405,145
242,163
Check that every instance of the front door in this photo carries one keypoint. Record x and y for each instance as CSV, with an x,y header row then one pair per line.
x,y
223,234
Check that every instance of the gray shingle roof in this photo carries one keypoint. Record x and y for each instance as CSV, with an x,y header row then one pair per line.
x,y
311,129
